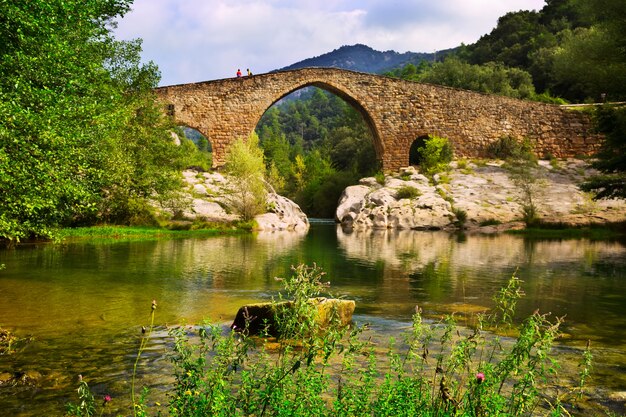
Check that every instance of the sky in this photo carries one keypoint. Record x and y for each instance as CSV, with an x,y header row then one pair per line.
x,y
200,40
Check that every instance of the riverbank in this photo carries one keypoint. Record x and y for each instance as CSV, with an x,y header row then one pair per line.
x,y
138,233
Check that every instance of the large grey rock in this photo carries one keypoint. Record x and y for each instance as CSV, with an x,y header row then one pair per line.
x,y
283,214
375,207
485,192
351,200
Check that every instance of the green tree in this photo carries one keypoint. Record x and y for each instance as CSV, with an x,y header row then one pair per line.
x,y
81,138
593,60
435,155
488,78
245,165
612,157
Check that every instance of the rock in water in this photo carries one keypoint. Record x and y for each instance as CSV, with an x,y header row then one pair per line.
x,y
283,214
260,318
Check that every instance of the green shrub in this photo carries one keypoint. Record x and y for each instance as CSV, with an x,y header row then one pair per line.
x,y
490,222
461,216
435,155
508,147
407,192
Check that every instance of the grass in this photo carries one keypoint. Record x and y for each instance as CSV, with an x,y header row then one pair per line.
x,y
112,233
561,231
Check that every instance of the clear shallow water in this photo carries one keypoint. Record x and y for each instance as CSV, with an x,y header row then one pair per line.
x,y
84,303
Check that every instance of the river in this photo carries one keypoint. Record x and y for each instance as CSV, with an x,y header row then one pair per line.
x,y
84,303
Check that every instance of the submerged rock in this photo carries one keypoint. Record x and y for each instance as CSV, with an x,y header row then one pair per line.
x,y
260,318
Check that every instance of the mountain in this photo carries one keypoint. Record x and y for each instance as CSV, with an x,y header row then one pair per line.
x,y
362,58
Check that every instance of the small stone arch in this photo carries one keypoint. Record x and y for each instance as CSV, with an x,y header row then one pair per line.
x,y
414,158
187,128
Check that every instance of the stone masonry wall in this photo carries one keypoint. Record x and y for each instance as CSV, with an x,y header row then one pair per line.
x,y
397,111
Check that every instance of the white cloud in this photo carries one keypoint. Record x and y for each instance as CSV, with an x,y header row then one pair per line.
x,y
195,40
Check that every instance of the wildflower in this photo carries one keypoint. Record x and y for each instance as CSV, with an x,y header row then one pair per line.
x,y
188,392
154,304
480,377
107,398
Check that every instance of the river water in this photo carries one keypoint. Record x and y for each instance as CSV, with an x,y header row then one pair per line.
x,y
84,303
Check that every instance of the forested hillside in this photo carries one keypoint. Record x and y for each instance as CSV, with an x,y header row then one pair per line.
x,y
571,49
365,59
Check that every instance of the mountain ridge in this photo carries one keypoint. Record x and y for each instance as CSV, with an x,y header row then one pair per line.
x,y
360,57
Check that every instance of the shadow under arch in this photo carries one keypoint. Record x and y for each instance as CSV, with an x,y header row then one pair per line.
x,y
414,157
354,103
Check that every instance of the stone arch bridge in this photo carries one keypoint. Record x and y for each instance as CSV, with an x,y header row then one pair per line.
x,y
397,112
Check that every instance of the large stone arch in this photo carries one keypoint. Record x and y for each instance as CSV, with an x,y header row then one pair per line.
x,y
340,92
396,111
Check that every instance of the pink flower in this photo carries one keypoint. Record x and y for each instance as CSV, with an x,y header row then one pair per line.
x,y
107,398
480,377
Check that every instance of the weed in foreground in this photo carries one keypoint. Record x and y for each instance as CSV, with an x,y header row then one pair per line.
x,y
435,369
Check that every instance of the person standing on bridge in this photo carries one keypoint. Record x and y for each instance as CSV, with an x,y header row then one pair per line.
x,y
238,73
249,72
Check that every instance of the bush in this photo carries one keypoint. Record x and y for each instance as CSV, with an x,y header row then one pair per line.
x,y
407,192
435,155
461,216
508,147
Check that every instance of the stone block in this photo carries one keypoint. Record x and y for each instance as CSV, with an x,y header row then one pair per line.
x,y
261,316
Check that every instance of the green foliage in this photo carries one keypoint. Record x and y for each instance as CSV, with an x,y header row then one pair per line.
x,y
569,50
244,163
407,192
461,216
612,157
527,175
435,155
82,139
86,406
509,148
588,59
489,78
9,342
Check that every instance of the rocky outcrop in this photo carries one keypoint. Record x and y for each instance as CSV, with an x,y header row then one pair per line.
x,y
204,198
408,202
482,192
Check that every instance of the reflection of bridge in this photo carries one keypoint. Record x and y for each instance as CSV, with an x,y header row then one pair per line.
x,y
397,112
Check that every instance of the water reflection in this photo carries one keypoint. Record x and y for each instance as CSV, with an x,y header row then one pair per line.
x,y
84,303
